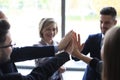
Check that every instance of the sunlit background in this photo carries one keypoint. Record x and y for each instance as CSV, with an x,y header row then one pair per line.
x,y
80,15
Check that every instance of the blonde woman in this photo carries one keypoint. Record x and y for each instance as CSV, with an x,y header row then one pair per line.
x,y
47,30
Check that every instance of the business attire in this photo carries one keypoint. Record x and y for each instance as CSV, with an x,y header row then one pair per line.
x,y
57,75
32,52
26,53
96,65
42,72
92,46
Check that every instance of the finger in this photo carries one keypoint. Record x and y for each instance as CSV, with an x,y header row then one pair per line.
x,y
72,45
68,48
79,40
70,32
81,47
68,35
74,36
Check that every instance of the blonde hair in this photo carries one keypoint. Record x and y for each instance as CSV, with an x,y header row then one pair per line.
x,y
44,23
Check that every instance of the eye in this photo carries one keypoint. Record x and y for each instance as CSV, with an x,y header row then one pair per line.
x,y
9,45
54,29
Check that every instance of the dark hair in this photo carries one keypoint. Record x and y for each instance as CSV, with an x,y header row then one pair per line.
x,y
109,11
111,54
4,27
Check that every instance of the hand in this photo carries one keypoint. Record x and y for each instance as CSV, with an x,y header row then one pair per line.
x,y
70,47
77,50
77,46
80,46
62,69
65,40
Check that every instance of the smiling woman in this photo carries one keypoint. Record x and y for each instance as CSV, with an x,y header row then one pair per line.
x,y
48,29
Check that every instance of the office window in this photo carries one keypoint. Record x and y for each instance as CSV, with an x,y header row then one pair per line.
x,y
80,15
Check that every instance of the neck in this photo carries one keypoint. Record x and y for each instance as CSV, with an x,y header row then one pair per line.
x,y
50,42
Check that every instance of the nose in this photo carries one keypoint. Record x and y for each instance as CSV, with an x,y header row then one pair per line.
x,y
51,31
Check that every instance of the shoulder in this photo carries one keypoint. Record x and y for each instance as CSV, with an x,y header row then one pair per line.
x,y
95,35
94,38
38,44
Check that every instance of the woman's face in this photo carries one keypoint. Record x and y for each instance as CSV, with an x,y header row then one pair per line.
x,y
49,32
6,49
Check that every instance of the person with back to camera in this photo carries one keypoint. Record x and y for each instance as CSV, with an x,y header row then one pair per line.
x,y
111,55
47,30
94,42
9,55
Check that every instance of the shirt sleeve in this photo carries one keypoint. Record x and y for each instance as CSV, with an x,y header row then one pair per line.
x,y
31,52
43,71
96,64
